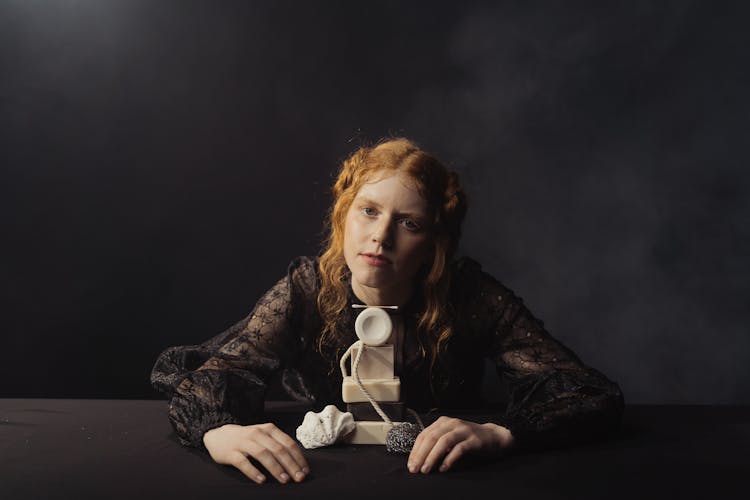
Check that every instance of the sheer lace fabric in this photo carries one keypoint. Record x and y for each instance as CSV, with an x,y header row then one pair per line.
x,y
554,398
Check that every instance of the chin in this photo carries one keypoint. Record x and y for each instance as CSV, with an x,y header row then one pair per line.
x,y
368,279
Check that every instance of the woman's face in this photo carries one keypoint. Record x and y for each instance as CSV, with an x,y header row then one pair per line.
x,y
388,217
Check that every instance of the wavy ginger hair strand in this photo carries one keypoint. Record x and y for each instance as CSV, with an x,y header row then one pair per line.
x,y
447,201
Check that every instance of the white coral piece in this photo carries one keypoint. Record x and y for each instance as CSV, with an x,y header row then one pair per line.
x,y
325,427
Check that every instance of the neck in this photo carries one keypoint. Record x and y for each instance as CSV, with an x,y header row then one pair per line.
x,y
395,296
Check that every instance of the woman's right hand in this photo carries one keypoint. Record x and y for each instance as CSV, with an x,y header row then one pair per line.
x,y
231,444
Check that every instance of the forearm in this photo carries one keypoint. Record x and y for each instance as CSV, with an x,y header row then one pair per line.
x,y
561,408
207,399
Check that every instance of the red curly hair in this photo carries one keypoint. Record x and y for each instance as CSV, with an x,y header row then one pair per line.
x,y
442,190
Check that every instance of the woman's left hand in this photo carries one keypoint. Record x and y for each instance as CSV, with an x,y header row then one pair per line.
x,y
453,438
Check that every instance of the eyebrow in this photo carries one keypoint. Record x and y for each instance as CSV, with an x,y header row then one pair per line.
x,y
369,201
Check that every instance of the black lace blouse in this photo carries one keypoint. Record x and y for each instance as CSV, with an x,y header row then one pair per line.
x,y
553,398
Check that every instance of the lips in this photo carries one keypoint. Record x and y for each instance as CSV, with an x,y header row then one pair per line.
x,y
380,258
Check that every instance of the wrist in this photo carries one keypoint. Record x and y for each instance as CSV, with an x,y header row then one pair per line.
x,y
505,437
210,432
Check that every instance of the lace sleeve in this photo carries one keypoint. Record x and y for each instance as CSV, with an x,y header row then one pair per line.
x,y
224,379
555,399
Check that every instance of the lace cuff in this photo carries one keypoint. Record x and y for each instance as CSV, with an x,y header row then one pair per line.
x,y
562,407
207,399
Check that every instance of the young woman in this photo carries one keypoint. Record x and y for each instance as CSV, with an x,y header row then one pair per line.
x,y
394,225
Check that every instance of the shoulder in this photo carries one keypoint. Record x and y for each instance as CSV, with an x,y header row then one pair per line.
x,y
466,274
303,272
470,281
465,265
304,262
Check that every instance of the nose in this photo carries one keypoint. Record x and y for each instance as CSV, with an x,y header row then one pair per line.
x,y
383,234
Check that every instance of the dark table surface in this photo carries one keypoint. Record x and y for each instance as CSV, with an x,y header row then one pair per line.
x,y
75,448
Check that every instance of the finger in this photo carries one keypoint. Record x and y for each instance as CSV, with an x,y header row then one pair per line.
x,y
425,442
293,448
458,451
258,450
410,462
283,454
243,464
291,469
420,449
440,449
422,445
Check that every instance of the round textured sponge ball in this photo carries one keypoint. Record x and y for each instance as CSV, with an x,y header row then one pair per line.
x,y
400,438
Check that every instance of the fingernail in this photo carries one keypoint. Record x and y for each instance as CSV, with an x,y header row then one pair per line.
x,y
425,469
443,468
305,470
260,478
284,477
299,475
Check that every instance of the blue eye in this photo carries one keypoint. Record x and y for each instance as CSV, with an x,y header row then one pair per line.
x,y
414,225
410,224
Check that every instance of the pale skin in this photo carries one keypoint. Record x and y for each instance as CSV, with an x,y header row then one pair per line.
x,y
388,217
231,444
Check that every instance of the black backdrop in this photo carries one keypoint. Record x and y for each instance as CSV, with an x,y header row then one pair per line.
x,y
162,162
